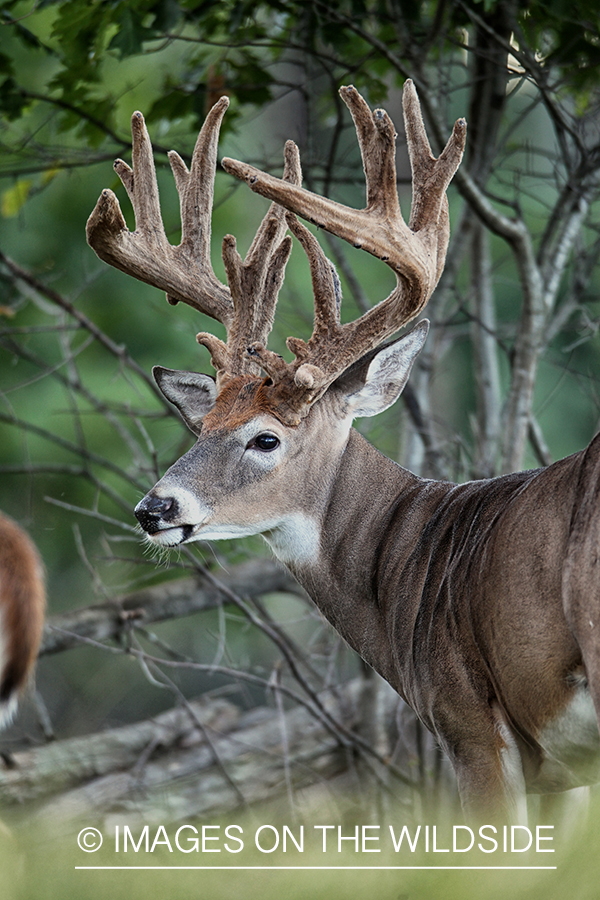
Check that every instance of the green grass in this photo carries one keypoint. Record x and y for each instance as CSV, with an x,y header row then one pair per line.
x,y
36,863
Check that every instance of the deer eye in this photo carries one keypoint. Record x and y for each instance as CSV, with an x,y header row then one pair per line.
x,y
265,442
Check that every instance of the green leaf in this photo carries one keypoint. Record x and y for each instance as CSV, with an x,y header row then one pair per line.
x,y
131,33
12,101
167,14
6,65
14,198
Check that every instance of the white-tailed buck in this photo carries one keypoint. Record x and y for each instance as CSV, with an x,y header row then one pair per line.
x,y
22,604
479,603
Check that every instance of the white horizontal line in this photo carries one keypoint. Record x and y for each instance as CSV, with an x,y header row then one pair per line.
x,y
328,868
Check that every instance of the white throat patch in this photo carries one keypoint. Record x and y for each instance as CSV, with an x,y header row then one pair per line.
x,y
296,539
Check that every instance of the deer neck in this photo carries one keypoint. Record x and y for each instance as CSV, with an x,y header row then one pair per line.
x,y
338,552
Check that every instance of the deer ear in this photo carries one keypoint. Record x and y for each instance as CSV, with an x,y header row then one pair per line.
x,y
387,373
194,395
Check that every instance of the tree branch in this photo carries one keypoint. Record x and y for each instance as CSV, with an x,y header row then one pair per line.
x,y
174,599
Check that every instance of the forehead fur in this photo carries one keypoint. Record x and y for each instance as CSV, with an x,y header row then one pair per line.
x,y
242,398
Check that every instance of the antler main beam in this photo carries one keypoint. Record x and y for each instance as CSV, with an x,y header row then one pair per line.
x,y
416,252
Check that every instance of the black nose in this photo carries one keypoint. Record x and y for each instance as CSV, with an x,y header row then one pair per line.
x,y
152,509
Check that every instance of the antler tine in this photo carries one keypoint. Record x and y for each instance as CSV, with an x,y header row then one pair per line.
x,y
255,284
183,272
326,286
327,303
430,177
377,141
196,194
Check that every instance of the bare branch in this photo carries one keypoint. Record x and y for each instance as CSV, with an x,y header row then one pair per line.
x,y
174,599
119,351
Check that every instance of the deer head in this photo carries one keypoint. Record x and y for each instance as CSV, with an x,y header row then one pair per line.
x,y
270,432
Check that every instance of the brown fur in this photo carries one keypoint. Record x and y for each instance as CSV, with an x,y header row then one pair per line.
x,y
22,605
241,399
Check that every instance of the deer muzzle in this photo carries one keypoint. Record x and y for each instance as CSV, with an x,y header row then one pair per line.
x,y
156,513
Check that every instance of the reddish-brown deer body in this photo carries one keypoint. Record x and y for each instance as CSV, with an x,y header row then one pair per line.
x,y
22,604
479,603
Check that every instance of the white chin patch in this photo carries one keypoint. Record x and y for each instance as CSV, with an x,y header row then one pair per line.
x,y
169,537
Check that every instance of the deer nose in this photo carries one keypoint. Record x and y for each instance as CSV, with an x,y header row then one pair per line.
x,y
152,509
